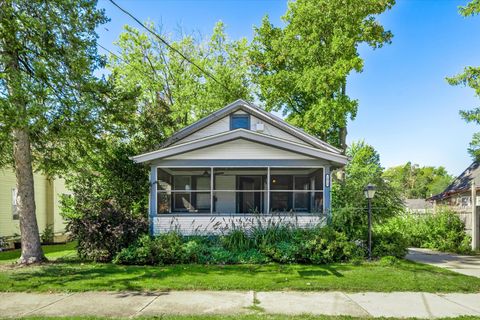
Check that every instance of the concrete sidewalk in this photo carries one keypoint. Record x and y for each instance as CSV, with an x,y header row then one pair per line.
x,y
468,265
132,304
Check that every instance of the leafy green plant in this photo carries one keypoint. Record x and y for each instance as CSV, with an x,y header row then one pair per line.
x,y
389,243
47,235
236,241
443,231
103,230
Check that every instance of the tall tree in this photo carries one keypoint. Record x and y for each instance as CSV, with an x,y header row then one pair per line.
x,y
52,107
302,69
172,90
471,78
348,200
413,181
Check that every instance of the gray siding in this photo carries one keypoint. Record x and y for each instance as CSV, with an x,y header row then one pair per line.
x,y
223,125
239,149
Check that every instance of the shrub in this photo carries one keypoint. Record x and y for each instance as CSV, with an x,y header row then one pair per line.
x,y
236,241
167,248
282,252
107,209
253,256
103,230
325,245
443,231
47,235
318,245
388,243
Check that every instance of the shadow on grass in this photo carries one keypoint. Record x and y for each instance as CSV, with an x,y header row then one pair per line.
x,y
92,276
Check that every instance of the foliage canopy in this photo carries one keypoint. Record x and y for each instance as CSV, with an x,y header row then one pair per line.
x,y
302,68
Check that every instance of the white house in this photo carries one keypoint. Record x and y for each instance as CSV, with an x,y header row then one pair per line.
x,y
238,165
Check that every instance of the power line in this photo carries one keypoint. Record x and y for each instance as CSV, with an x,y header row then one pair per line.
x,y
208,74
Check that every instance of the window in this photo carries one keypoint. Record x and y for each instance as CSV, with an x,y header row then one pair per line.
x,y
14,204
182,198
240,121
183,190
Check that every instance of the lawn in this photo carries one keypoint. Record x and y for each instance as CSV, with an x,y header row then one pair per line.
x,y
63,273
74,276
52,252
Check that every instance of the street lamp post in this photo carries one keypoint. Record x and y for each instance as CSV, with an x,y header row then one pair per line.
x,y
369,192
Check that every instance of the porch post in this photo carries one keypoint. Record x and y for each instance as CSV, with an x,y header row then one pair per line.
x,y
267,209
326,194
211,189
153,200
475,231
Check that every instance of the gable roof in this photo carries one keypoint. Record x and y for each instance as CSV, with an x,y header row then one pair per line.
x,y
242,134
259,113
462,183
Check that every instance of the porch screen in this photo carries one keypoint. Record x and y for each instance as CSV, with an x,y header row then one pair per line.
x,y
240,190
296,190
183,190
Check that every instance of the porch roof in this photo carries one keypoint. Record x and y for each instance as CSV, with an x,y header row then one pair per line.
x,y
333,156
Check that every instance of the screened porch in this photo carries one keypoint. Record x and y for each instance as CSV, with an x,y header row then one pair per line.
x,y
240,190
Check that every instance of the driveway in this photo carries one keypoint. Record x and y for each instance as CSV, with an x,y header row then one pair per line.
x,y
468,265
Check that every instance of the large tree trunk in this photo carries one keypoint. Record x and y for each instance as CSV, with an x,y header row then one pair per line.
x,y
22,155
31,247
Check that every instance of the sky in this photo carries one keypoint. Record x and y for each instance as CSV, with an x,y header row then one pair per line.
x,y
407,110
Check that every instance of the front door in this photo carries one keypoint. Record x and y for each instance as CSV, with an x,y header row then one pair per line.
x,y
249,197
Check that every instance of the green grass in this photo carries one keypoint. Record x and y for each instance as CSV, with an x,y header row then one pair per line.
x,y
52,252
74,276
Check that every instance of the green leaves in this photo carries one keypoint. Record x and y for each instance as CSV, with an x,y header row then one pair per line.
x,y
301,69
348,201
472,8
173,93
48,55
413,181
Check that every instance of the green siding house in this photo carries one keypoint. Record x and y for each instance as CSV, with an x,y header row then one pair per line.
x,y
47,197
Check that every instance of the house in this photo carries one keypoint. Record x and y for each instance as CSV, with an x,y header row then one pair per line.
x,y
418,206
47,197
459,192
236,166
458,197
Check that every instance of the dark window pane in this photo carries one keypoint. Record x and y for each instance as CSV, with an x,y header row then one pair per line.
x,y
281,183
281,201
240,121
302,183
318,176
182,183
301,201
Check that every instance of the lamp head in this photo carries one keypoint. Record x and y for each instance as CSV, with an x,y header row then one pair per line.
x,y
369,191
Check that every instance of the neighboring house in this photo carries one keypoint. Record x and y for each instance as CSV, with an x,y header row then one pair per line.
x,y
418,205
235,166
458,197
47,197
459,192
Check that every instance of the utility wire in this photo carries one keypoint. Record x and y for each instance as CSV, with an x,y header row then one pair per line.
x,y
208,74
